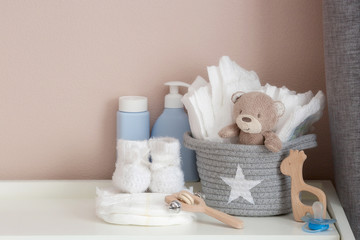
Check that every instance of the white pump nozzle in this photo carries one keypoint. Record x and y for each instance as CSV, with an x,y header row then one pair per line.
x,y
173,99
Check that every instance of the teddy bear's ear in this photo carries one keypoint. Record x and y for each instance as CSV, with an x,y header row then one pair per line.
x,y
236,96
280,108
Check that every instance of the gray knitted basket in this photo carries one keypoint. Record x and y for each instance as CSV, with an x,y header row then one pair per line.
x,y
216,161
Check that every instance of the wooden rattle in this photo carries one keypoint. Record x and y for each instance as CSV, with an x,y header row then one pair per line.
x,y
292,166
191,203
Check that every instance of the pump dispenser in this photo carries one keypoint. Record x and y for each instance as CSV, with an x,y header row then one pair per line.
x,y
174,122
173,99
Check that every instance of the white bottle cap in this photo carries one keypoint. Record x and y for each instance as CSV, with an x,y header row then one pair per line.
x,y
133,104
173,99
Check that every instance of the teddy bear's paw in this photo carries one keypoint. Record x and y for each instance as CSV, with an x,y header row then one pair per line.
x,y
229,131
223,133
273,145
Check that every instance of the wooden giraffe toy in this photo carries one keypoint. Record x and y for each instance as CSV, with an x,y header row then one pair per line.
x,y
292,166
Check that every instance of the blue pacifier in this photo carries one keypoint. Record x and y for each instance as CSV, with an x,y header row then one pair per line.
x,y
316,223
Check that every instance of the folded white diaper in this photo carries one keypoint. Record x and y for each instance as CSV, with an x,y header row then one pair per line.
x,y
300,120
194,112
144,209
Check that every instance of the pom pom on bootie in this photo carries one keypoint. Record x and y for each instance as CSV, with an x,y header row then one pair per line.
x,y
166,173
132,174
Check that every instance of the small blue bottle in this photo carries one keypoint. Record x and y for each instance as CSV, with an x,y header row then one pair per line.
x,y
174,122
133,118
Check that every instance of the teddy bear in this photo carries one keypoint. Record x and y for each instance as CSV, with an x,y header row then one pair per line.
x,y
255,116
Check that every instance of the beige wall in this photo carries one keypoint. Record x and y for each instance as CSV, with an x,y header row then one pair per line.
x,y
63,65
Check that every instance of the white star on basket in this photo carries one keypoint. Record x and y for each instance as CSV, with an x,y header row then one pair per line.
x,y
240,187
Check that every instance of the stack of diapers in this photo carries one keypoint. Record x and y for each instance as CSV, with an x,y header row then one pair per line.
x,y
302,110
143,209
209,104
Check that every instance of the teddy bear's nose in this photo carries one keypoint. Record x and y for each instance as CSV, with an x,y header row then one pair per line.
x,y
246,119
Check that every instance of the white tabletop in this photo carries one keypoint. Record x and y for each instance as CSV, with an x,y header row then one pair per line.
x,y
66,210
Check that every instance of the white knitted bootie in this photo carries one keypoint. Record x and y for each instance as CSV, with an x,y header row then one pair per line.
x,y
166,173
132,173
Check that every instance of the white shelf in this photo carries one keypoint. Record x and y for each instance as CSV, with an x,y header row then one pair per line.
x,y
66,210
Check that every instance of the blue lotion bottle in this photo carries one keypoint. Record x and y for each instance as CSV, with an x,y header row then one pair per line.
x,y
133,118
174,122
